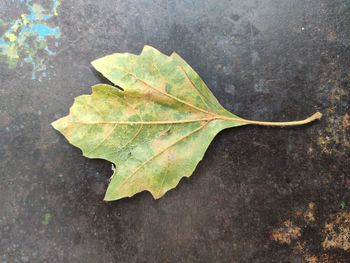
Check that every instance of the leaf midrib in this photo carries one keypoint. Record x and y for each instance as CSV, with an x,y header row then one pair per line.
x,y
144,122
213,114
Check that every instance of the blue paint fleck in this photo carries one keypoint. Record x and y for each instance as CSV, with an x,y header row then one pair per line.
x,y
29,34
44,31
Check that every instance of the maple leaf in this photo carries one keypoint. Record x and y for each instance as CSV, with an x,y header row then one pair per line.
x,y
155,130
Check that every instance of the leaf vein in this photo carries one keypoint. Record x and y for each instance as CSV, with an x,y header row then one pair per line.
x,y
165,93
160,152
194,86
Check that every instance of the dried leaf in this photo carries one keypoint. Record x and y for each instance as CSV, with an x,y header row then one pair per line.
x,y
156,129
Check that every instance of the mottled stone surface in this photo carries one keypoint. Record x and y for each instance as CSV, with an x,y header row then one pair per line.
x,y
264,60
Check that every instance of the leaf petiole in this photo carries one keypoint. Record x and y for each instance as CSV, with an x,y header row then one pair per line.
x,y
312,118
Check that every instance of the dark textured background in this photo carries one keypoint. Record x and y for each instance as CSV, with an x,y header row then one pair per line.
x,y
264,60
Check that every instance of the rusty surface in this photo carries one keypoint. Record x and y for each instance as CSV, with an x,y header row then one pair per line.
x,y
259,195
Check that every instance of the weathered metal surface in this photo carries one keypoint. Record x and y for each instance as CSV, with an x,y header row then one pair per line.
x,y
259,195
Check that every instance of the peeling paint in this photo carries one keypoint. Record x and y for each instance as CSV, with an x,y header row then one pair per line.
x,y
334,232
337,232
324,258
28,38
346,121
286,233
309,215
334,139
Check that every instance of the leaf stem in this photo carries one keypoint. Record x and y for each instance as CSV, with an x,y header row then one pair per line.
x,y
312,118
